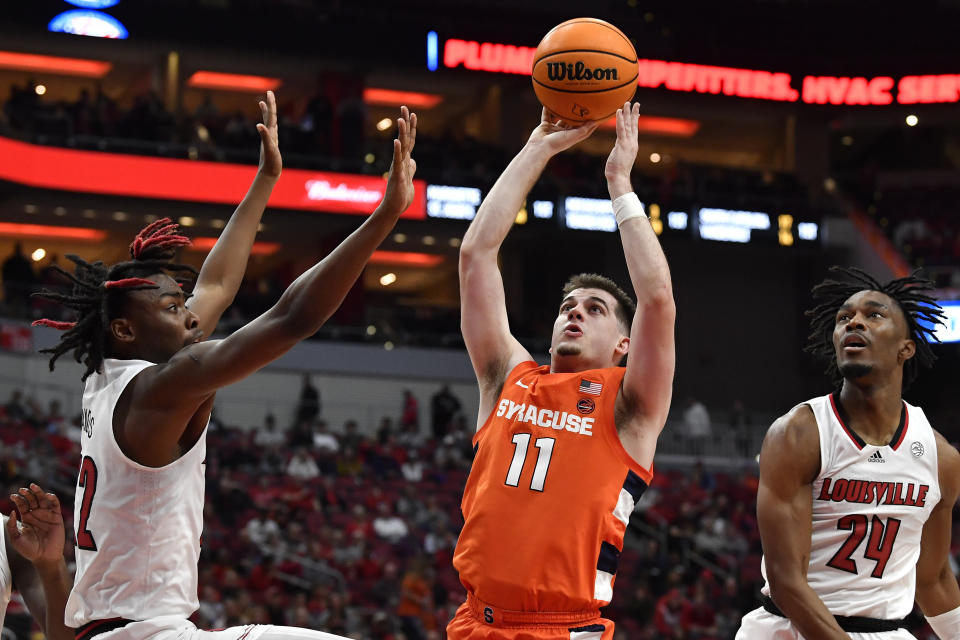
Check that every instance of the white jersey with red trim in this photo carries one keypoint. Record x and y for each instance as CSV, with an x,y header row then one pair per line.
x,y
869,506
138,528
6,574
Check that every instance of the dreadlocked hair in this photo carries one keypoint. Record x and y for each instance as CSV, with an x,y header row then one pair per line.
x,y
98,292
911,293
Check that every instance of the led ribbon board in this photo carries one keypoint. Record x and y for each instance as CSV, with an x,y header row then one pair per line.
x,y
708,79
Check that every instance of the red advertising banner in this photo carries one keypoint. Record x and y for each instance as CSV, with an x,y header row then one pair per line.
x,y
189,180
16,338
728,81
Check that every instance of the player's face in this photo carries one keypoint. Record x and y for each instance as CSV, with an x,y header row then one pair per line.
x,y
159,320
586,329
870,335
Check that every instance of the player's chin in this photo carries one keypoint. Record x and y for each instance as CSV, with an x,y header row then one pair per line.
x,y
568,349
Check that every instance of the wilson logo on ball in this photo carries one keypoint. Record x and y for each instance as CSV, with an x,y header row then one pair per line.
x,y
558,71
584,69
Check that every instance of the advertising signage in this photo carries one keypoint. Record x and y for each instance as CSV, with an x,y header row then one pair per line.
x,y
708,79
190,180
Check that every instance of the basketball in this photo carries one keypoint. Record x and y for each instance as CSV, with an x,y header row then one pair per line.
x,y
584,69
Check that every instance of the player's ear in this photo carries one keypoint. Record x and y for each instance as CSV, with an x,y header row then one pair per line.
x,y
907,349
623,346
122,330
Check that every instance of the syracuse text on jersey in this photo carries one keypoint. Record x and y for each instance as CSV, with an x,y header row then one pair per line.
x,y
547,418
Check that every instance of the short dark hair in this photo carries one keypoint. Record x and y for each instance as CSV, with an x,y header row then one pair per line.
x,y
99,292
626,307
920,310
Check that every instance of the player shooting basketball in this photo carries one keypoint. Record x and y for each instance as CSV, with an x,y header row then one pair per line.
x,y
150,387
563,451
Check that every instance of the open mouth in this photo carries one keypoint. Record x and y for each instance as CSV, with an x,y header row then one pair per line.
x,y
572,331
853,343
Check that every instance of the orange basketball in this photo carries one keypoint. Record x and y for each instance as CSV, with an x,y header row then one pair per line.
x,y
584,69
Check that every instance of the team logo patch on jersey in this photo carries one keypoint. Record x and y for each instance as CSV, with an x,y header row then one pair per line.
x,y
593,388
585,405
916,449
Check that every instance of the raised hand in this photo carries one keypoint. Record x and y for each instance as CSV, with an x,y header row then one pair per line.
x,y
624,154
557,136
399,192
40,536
270,161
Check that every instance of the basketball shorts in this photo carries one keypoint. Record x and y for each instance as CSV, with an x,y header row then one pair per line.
x,y
174,628
760,624
476,620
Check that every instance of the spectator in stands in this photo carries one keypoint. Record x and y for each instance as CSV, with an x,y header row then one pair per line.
x,y
352,438
16,409
671,614
696,422
260,527
309,407
323,440
388,525
410,416
443,407
415,601
268,436
302,466
412,469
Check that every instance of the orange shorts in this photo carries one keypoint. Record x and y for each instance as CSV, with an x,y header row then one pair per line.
x,y
477,620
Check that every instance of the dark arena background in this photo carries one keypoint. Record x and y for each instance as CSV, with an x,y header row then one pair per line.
x,y
777,137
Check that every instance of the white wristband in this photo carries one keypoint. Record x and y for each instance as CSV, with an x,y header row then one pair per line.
x,y
946,625
627,206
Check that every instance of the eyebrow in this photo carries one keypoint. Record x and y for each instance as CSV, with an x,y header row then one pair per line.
x,y
593,298
172,294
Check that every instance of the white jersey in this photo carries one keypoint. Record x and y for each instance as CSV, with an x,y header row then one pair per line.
x,y
869,507
138,528
6,574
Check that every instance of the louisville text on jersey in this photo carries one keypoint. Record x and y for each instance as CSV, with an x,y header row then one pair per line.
x,y
547,418
868,492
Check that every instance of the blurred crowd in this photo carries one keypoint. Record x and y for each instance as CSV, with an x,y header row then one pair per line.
x,y
351,528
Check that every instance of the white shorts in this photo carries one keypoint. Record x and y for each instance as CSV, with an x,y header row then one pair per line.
x,y
760,624
173,628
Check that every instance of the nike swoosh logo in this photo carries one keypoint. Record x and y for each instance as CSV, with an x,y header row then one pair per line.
x,y
520,384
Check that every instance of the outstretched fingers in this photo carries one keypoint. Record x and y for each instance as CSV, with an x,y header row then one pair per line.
x,y
270,110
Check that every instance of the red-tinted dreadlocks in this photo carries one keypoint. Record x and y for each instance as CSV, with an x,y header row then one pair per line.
x,y
99,292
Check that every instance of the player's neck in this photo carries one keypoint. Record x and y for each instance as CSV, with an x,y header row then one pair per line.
x,y
573,364
873,410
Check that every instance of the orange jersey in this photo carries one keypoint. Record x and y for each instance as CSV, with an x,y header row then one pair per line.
x,y
550,493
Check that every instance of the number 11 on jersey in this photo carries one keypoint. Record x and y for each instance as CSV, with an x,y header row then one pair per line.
x,y
521,442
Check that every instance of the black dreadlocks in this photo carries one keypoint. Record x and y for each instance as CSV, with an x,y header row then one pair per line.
x,y
99,292
920,310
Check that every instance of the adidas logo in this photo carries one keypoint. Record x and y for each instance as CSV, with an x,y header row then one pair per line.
x,y
876,457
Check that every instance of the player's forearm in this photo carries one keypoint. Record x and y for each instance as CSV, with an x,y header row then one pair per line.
x,y
224,267
315,295
499,209
56,582
806,611
646,263
939,595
